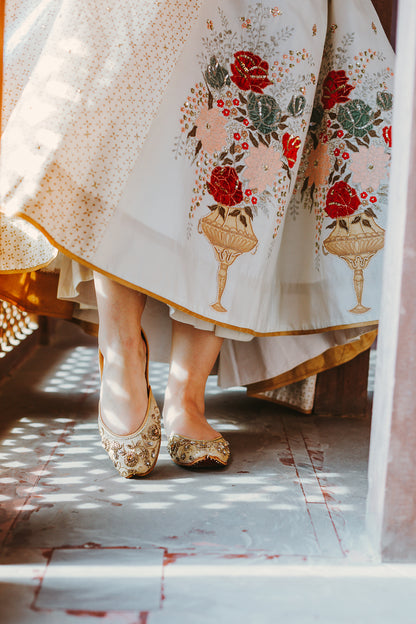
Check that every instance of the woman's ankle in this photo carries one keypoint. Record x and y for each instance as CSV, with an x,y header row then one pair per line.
x,y
124,388
184,414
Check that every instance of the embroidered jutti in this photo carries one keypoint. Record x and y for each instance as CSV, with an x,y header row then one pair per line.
x,y
230,159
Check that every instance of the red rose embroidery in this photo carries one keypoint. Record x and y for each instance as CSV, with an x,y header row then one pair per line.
x,y
225,187
249,72
291,145
387,135
335,89
342,200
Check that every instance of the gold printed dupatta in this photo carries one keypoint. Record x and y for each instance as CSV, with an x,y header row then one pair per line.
x,y
85,111
2,12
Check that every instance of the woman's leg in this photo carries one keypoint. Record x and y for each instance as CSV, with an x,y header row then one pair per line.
x,y
123,399
193,355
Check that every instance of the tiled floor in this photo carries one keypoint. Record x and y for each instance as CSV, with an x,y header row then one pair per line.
x,y
277,536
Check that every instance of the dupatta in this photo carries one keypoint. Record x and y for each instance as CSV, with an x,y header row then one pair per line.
x,y
86,81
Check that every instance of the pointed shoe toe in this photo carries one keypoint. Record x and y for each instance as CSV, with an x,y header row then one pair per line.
x,y
198,453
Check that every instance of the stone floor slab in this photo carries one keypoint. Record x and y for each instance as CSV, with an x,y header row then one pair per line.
x,y
102,580
287,589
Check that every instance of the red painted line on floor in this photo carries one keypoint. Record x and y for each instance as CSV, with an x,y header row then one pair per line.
x,y
143,617
252,554
290,453
95,546
47,553
316,457
79,613
287,461
169,558
325,494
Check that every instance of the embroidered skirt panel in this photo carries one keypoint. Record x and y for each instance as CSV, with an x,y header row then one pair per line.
x,y
230,158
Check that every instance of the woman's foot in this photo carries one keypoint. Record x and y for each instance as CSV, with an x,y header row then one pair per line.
x,y
183,412
192,442
124,391
124,395
134,454
191,439
129,418
193,355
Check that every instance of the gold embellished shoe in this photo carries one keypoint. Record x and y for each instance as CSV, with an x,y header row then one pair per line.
x,y
198,453
134,454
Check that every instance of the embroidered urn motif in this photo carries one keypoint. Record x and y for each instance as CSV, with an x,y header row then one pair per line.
x,y
242,138
268,138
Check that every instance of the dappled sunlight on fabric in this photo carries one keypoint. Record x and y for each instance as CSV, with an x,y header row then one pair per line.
x,y
23,29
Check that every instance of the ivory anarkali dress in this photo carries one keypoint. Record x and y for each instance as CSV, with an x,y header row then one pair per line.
x,y
229,158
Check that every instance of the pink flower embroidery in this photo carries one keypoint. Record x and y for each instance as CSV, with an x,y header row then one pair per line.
x,y
262,166
211,129
319,166
369,166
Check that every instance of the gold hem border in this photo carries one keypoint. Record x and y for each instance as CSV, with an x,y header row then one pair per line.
x,y
28,270
335,356
123,282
